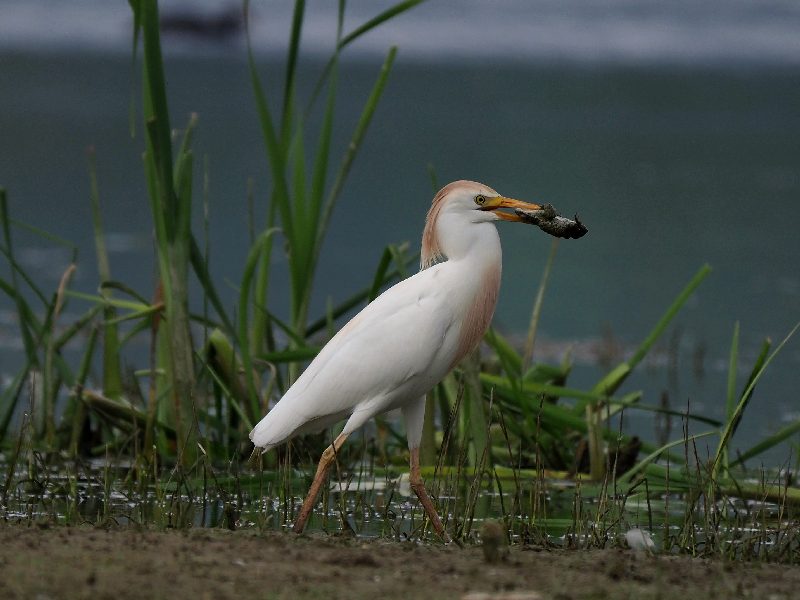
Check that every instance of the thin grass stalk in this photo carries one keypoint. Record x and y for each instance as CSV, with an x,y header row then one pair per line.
x,y
456,490
538,505
730,397
224,365
450,421
344,41
666,533
26,316
75,412
578,518
52,367
178,317
291,66
530,341
643,463
206,239
276,160
769,442
111,370
475,428
9,399
594,439
23,312
68,333
733,421
611,382
557,417
199,261
158,390
352,150
516,505
733,418
256,254
14,459
51,381
357,299
480,469
305,252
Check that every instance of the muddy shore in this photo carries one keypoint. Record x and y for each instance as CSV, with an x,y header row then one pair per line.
x,y
83,562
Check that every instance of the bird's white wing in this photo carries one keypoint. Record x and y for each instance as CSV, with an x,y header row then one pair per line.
x,y
395,349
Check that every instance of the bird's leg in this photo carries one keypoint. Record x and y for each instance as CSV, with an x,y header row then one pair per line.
x,y
415,479
325,462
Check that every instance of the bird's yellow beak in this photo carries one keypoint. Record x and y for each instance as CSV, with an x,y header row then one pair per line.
x,y
498,202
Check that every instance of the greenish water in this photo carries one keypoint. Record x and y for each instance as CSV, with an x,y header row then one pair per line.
x,y
669,168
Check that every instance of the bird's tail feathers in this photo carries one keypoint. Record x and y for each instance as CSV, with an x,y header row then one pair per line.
x,y
264,435
283,423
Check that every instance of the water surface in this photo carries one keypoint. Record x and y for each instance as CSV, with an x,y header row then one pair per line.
x,y
672,160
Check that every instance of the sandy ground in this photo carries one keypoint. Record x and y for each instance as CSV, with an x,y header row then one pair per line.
x,y
61,562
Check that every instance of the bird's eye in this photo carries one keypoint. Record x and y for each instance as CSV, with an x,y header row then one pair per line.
x,y
480,199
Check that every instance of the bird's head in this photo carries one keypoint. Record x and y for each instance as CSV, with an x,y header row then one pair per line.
x,y
468,202
478,202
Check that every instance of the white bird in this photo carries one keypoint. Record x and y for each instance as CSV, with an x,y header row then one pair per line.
x,y
393,352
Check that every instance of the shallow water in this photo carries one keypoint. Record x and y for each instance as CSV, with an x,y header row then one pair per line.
x,y
551,512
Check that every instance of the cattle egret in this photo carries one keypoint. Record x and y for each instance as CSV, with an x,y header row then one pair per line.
x,y
407,340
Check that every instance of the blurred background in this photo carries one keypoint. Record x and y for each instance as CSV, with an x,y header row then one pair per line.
x,y
671,128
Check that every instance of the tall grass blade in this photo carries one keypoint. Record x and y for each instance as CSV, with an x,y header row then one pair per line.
x,y
509,357
767,443
734,418
365,294
291,64
75,412
629,475
294,355
614,379
256,252
730,398
53,367
530,341
348,39
733,421
24,314
30,327
170,198
352,148
137,27
733,361
477,429
200,267
276,158
9,398
112,371
224,362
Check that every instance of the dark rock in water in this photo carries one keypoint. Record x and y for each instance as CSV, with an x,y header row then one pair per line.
x,y
627,455
549,221
220,25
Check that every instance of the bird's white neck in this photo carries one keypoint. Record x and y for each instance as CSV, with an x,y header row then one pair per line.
x,y
474,257
477,243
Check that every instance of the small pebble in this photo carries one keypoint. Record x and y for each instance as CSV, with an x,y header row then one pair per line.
x,y
494,540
